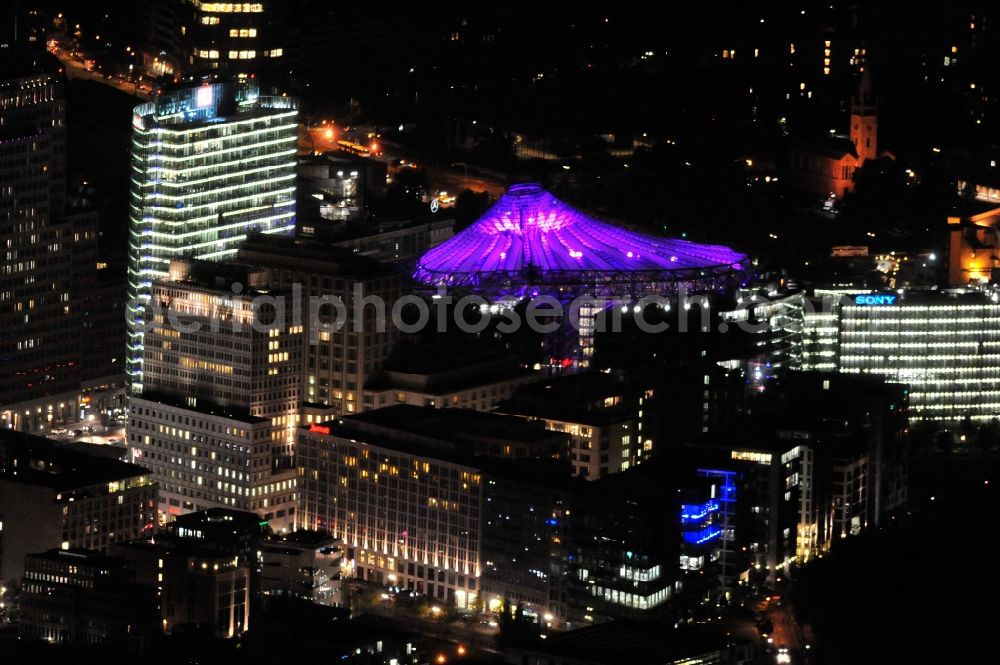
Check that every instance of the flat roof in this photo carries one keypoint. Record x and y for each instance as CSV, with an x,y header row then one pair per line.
x,y
451,424
309,255
76,555
440,371
204,407
564,398
296,541
54,466
448,435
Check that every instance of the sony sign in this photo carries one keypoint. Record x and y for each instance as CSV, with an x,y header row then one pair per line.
x,y
875,299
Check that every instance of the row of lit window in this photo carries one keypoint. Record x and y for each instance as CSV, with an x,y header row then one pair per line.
x,y
213,54
231,7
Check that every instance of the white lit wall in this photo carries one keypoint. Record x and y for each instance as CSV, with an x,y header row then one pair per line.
x,y
209,165
948,353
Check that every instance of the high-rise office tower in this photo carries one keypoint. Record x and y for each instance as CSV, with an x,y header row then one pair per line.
x,y
216,420
209,164
37,341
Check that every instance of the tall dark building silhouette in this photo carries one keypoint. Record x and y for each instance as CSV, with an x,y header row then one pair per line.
x,y
37,341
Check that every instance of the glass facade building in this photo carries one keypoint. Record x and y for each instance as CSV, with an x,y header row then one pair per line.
x,y
945,348
210,164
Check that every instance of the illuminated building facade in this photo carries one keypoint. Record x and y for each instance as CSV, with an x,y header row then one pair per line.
x,y
835,467
529,243
83,598
531,240
974,244
52,497
197,587
403,488
944,347
210,164
217,419
526,540
606,417
821,328
204,567
774,321
332,188
302,564
231,36
708,525
337,361
60,332
827,168
624,545
429,542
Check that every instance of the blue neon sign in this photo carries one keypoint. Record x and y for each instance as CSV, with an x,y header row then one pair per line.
x,y
703,535
875,299
694,513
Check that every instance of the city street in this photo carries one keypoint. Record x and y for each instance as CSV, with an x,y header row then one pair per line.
x,y
478,635
77,69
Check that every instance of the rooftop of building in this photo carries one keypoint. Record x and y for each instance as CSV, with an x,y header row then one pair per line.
x,y
574,398
584,386
449,435
835,146
452,425
975,210
204,407
633,642
357,229
444,369
447,424
310,255
216,277
339,160
222,518
299,540
19,64
43,462
934,296
207,102
186,547
814,407
77,556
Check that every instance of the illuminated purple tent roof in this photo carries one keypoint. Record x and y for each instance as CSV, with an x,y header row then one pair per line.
x,y
529,238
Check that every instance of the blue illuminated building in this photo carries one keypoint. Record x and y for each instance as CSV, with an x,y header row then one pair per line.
x,y
696,513
707,527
